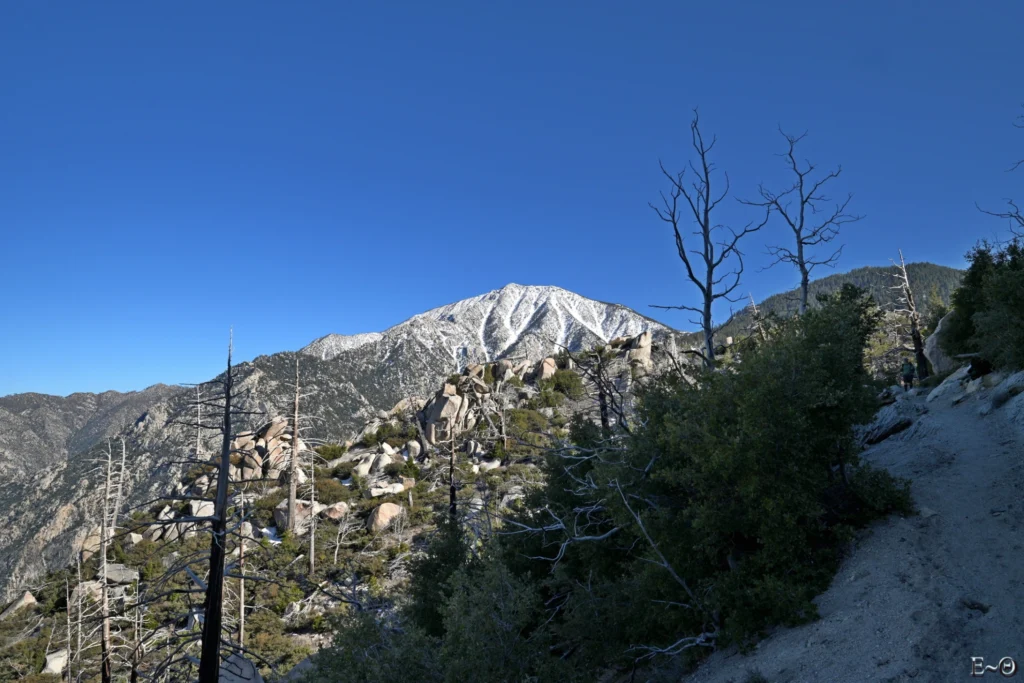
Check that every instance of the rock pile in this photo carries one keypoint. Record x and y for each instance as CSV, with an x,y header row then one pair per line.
x,y
264,454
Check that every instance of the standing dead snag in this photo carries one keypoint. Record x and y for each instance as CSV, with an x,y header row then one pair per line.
x,y
1013,212
209,663
702,202
906,298
293,470
800,208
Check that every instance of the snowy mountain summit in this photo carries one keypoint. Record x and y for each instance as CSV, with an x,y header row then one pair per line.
x,y
516,321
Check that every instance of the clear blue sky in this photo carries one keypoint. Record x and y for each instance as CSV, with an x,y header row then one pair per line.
x,y
170,169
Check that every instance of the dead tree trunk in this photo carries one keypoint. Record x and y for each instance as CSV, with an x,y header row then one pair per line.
x,y
293,478
452,510
241,585
108,525
71,652
209,663
907,299
312,513
811,224
713,252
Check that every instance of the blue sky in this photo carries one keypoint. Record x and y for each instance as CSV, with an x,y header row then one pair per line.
x,y
169,169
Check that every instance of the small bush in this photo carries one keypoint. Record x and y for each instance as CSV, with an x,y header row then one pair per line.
x,y
331,491
331,451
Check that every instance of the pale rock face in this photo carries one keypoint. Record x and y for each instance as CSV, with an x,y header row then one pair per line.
x,y
201,508
238,669
56,662
388,490
383,516
26,600
941,363
118,573
414,449
546,368
379,463
303,512
335,512
363,468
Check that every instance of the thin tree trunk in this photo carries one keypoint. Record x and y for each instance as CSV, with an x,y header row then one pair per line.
x,y
452,511
78,615
67,603
293,468
199,423
209,663
241,587
312,514
106,674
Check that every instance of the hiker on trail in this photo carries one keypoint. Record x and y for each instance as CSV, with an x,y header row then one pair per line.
x,y
908,374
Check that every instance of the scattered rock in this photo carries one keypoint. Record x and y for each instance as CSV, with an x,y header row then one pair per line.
x,y
335,512
362,469
26,600
379,463
303,512
383,516
238,669
56,662
949,385
91,544
201,508
86,590
389,490
1007,389
275,428
118,573
891,420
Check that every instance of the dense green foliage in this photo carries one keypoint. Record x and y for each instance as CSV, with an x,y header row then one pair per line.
x,y
988,308
726,512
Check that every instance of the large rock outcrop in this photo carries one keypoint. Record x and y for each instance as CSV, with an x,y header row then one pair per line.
x,y
940,361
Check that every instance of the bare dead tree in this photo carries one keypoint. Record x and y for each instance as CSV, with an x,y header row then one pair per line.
x,y
758,319
312,511
1013,212
209,663
909,308
113,490
803,208
714,255
293,482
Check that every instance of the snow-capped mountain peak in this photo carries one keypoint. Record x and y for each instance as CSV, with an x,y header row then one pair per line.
x,y
515,321
331,345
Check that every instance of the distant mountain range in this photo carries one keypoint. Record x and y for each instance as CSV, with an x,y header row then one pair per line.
x,y
877,280
48,444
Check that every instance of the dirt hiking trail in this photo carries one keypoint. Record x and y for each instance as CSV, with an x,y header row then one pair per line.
x,y
918,597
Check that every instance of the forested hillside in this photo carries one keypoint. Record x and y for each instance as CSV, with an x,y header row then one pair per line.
x,y
931,283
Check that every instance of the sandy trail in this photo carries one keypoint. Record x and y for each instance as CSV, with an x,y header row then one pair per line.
x,y
919,596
